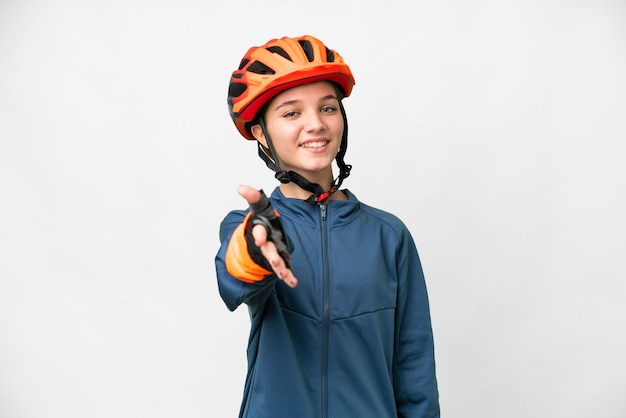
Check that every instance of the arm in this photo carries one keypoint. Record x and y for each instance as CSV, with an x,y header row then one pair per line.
x,y
252,254
414,361
232,290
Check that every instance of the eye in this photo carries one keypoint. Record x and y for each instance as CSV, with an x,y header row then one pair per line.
x,y
290,115
328,109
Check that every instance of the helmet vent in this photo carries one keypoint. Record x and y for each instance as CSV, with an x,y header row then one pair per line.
x,y
308,49
236,89
330,55
243,63
260,68
278,50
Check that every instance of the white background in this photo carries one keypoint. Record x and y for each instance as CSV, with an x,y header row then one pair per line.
x,y
495,130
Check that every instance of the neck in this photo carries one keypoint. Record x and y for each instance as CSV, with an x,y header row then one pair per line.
x,y
292,190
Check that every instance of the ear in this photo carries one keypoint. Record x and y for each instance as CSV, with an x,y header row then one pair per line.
x,y
257,132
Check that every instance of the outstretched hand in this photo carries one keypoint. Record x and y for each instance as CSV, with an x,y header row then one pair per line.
x,y
268,249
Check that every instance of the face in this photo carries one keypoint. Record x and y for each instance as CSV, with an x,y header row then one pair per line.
x,y
305,126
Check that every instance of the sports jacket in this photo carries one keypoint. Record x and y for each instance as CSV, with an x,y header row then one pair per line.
x,y
354,338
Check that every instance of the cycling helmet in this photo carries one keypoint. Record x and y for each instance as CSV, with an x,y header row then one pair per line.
x,y
276,66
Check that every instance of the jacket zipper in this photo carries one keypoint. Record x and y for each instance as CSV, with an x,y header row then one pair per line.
x,y
325,313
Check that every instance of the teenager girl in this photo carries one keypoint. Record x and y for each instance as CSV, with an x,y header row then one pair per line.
x,y
340,322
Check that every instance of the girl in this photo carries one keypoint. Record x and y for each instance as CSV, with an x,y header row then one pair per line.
x,y
340,322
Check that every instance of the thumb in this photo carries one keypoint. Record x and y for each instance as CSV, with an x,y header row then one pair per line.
x,y
251,194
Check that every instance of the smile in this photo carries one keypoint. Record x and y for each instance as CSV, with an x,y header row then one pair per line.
x,y
314,144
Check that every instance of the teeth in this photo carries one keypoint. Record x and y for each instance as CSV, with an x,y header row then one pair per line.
x,y
316,144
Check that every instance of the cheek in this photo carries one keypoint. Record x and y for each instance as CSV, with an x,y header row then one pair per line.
x,y
336,124
282,134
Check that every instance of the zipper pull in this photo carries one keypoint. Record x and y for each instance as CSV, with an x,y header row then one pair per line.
x,y
323,212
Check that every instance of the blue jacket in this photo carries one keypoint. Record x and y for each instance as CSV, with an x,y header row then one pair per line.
x,y
354,338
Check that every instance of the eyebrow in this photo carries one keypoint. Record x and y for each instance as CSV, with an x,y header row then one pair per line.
x,y
290,102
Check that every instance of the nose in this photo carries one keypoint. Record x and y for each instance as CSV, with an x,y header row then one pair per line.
x,y
314,122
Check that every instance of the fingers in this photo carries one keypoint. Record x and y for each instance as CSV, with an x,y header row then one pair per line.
x,y
269,251
259,233
278,264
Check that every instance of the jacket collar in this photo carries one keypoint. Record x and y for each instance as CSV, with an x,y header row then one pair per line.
x,y
338,212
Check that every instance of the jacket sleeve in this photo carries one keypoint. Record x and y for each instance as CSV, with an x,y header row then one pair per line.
x,y
236,285
415,382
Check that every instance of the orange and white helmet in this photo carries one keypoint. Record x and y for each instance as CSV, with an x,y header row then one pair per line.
x,y
280,64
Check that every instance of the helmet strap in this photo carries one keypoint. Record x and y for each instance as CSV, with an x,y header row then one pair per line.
x,y
318,196
271,160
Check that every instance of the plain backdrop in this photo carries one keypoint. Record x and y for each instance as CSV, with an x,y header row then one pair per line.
x,y
495,130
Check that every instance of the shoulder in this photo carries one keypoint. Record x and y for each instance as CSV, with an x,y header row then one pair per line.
x,y
394,232
386,218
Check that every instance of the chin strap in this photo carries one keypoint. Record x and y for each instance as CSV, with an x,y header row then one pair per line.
x,y
318,196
